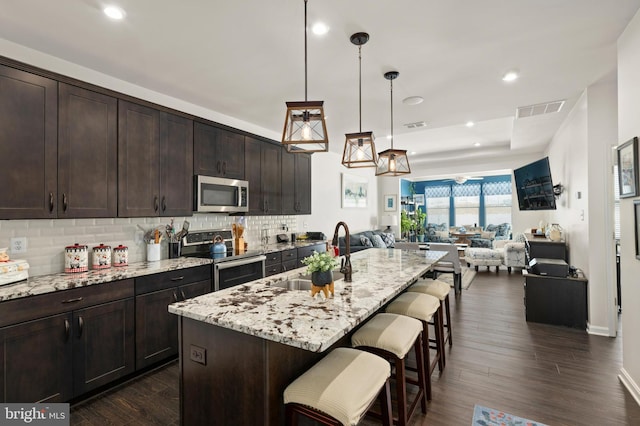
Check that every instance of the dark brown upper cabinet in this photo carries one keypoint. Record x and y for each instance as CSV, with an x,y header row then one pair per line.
x,y
218,152
263,162
87,154
155,160
296,183
28,145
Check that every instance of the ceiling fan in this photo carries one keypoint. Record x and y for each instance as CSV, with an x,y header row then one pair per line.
x,y
462,179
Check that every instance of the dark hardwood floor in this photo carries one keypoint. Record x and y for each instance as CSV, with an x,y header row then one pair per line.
x,y
554,375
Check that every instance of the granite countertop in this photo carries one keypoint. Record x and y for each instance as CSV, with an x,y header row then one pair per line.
x,y
294,318
65,281
291,245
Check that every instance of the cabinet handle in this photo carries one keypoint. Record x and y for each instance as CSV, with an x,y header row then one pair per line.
x,y
218,167
80,326
266,202
155,203
67,328
77,299
164,204
224,167
184,297
175,297
178,278
64,202
51,202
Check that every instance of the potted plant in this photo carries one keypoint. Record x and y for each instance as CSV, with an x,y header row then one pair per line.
x,y
421,216
320,266
406,223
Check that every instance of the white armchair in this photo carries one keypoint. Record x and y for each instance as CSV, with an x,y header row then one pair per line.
x,y
513,253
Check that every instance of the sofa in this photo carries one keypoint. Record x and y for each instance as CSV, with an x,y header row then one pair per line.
x,y
438,233
366,239
490,234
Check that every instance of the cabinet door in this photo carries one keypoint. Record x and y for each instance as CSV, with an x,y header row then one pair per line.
x,y
192,290
271,165
28,145
253,168
288,178
156,328
138,161
36,361
218,152
303,184
176,173
103,344
87,154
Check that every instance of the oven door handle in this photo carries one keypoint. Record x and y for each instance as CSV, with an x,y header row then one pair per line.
x,y
240,262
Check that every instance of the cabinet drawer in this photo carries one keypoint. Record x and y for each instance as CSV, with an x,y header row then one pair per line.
x,y
291,264
308,251
272,269
288,255
29,308
273,258
164,280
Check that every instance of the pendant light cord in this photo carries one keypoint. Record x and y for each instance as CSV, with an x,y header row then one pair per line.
x,y
360,84
391,81
305,50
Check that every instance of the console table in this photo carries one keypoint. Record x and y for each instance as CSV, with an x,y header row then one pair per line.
x,y
556,300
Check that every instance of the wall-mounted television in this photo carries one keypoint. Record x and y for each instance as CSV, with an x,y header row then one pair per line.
x,y
534,186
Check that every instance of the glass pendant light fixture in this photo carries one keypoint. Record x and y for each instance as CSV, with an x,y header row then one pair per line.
x,y
392,162
305,129
359,149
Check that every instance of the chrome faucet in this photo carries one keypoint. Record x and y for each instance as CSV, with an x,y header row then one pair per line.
x,y
345,266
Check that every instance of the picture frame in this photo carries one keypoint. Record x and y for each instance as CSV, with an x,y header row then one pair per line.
x,y
636,215
390,203
628,168
354,191
418,199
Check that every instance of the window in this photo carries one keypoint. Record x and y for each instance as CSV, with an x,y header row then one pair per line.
x,y
497,202
437,204
466,202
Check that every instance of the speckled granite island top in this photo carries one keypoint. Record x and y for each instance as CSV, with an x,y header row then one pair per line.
x,y
63,281
293,318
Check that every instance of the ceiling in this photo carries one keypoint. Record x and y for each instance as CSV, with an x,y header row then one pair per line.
x,y
245,58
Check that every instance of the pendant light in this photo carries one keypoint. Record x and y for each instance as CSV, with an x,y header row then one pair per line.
x,y
305,129
392,162
359,149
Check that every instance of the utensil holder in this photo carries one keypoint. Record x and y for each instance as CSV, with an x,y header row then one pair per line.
x,y
153,252
174,250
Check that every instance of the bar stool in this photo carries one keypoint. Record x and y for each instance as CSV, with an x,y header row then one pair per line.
x,y
423,307
440,290
391,336
340,388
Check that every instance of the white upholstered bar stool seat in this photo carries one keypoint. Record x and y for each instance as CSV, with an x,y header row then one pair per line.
x,y
441,290
340,388
392,336
423,307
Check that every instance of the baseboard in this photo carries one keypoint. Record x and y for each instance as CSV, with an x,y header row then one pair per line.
x,y
598,331
630,384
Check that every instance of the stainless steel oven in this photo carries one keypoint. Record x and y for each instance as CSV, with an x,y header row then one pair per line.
x,y
230,270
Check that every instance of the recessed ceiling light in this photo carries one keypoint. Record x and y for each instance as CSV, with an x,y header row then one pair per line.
x,y
470,124
320,28
477,144
114,12
413,153
389,137
510,76
413,100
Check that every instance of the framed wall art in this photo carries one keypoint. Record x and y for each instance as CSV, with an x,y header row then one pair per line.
x,y
390,203
628,168
636,215
354,191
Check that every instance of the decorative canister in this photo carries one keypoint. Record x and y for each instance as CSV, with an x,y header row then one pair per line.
x,y
555,232
120,255
101,257
76,258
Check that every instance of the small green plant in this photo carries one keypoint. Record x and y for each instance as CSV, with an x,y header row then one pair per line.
x,y
421,216
320,262
406,223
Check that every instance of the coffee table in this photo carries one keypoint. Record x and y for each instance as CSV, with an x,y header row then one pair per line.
x,y
463,238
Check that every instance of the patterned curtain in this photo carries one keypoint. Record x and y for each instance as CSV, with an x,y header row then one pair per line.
x,y
466,190
438,191
497,188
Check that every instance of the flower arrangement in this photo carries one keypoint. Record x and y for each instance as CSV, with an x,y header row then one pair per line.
x,y
320,262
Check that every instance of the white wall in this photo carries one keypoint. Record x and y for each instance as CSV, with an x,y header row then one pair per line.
x,y
628,127
326,204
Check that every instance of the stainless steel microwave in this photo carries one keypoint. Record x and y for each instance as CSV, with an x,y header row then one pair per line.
x,y
212,194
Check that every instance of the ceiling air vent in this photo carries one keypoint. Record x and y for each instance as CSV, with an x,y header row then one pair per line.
x,y
415,125
539,109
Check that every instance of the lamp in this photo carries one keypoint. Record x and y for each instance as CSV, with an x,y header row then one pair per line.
x,y
388,221
359,149
392,162
305,129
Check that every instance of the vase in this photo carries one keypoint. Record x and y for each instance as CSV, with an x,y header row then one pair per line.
x,y
320,278
421,238
555,232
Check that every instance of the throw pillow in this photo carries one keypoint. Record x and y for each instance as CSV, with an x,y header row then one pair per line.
x,y
377,242
365,241
488,235
442,234
389,239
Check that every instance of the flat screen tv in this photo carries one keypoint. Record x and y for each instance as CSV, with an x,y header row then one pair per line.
x,y
534,186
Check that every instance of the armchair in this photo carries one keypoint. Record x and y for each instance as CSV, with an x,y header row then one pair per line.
x,y
438,233
492,233
513,252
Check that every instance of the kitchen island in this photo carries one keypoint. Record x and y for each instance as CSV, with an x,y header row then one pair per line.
x,y
240,347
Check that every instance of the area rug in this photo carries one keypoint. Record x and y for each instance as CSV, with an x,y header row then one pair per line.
x,y
483,416
468,274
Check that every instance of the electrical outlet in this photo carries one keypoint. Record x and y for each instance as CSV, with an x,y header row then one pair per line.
x,y
18,245
198,354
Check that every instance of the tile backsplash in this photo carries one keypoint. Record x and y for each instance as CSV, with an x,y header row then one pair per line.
x,y
47,238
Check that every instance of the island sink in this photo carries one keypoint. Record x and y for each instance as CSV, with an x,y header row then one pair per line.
x,y
303,282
